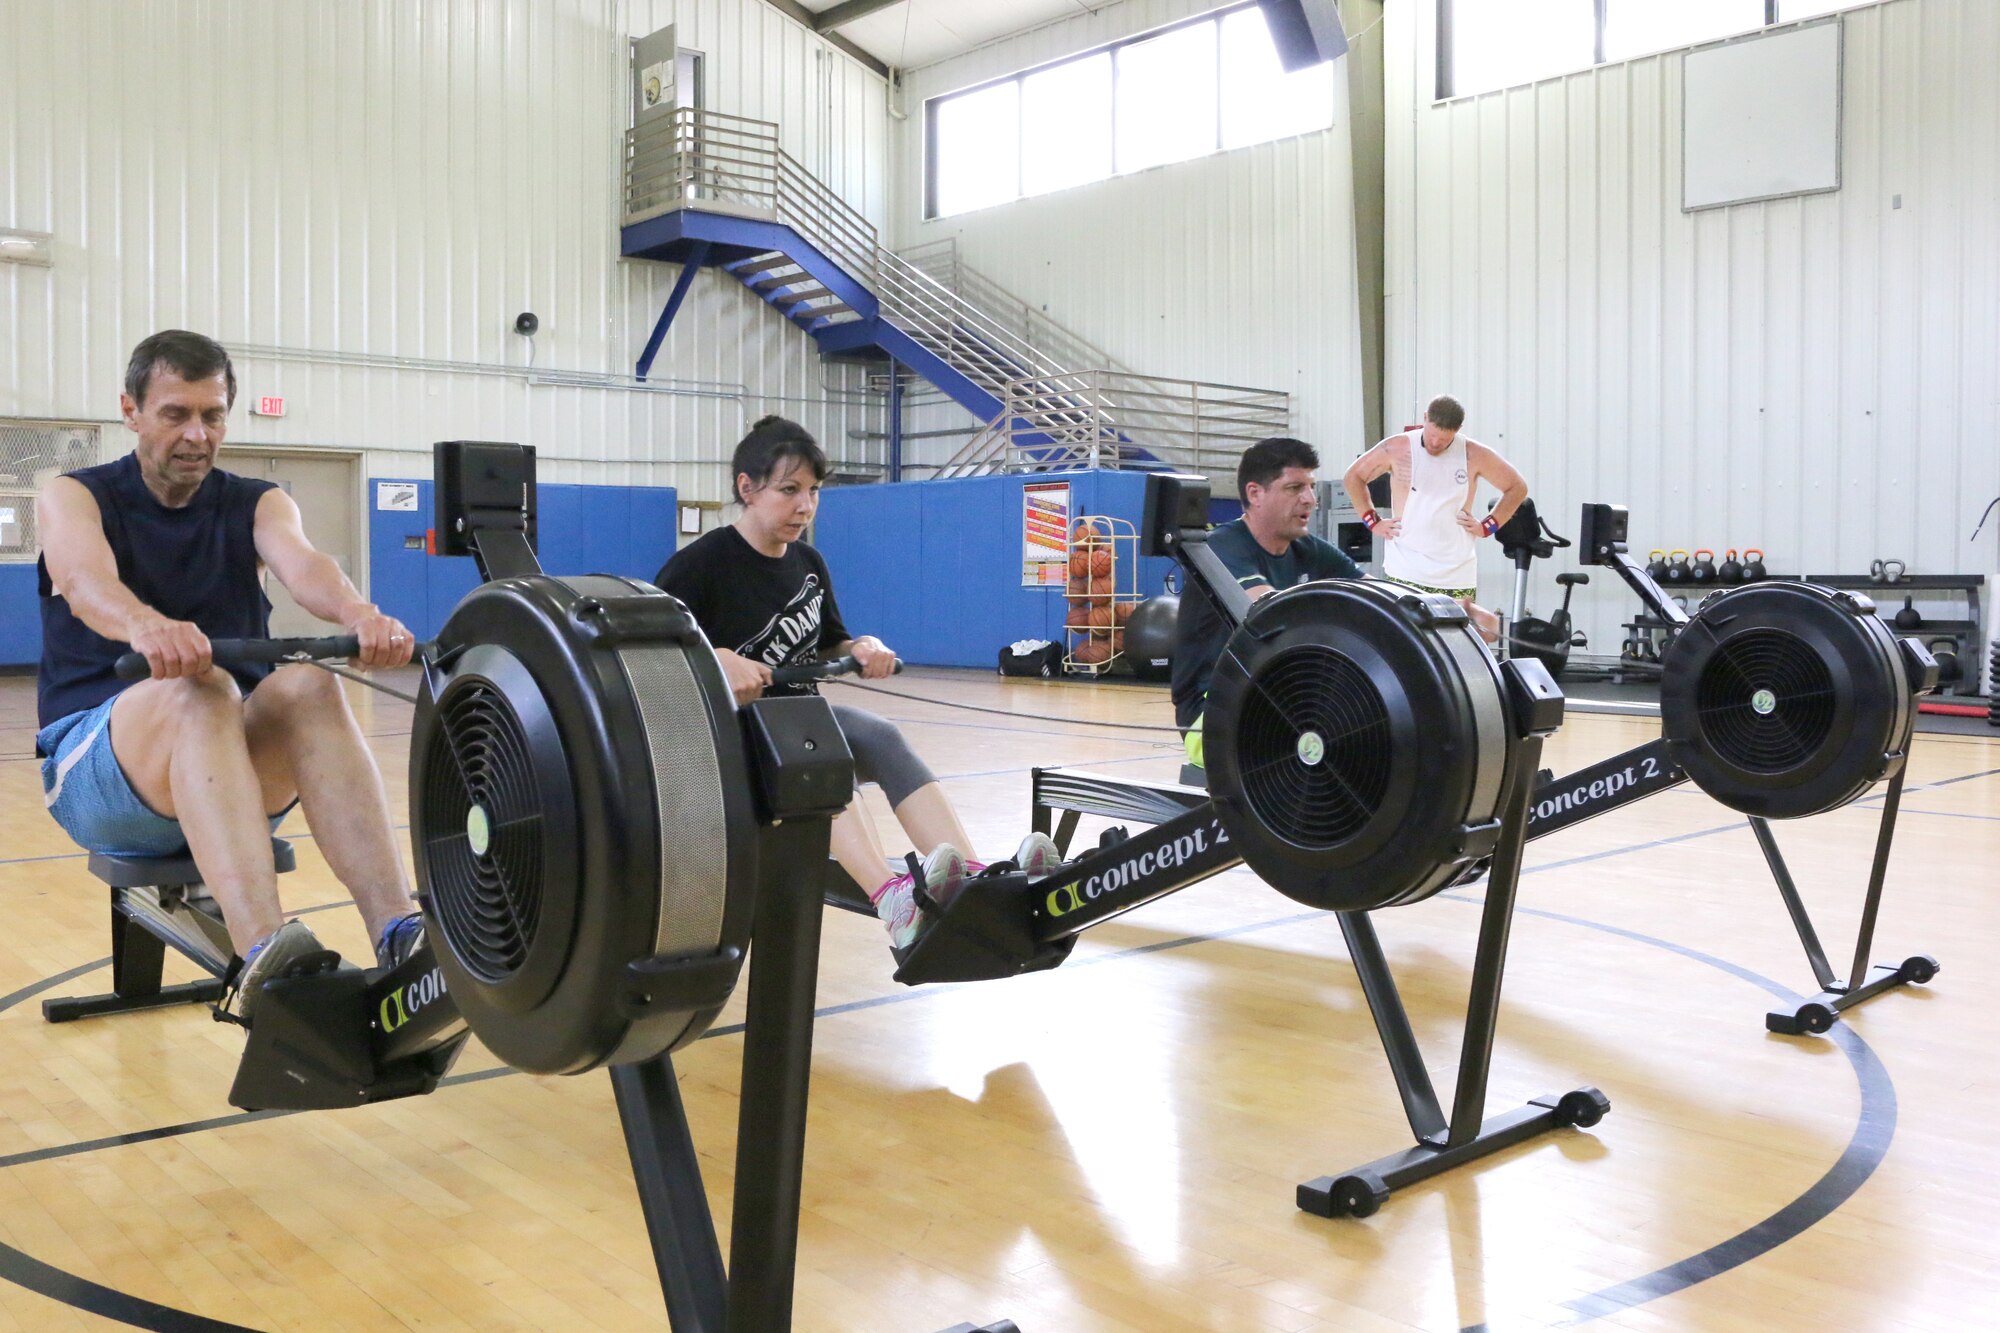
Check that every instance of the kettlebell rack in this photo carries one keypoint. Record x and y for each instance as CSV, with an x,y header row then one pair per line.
x,y
1968,641
1648,634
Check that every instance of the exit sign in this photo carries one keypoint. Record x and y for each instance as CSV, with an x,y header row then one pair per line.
x,y
268,407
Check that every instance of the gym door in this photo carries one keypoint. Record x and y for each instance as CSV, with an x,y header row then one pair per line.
x,y
327,489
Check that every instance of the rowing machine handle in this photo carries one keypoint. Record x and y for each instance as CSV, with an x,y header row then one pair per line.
x,y
816,671
230,652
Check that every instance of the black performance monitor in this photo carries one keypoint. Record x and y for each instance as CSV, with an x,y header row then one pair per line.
x,y
484,505
482,486
1601,533
1176,503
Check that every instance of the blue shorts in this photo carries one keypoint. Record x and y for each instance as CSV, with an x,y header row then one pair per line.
x,y
87,792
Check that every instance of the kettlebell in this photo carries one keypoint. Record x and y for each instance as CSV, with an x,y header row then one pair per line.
x,y
1704,566
1886,571
1946,653
1909,617
1731,569
1753,564
1677,567
1656,563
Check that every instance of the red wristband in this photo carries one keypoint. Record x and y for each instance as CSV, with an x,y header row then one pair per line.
x,y
1369,518
1488,526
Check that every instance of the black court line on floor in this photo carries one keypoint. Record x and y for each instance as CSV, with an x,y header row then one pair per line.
x,y
1874,1129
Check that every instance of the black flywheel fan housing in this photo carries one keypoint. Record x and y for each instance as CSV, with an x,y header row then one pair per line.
x,y
579,801
1786,699
1358,739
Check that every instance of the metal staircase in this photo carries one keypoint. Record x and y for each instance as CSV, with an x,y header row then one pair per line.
x,y
705,189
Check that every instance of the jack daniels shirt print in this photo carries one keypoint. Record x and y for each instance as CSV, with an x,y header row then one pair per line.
x,y
780,612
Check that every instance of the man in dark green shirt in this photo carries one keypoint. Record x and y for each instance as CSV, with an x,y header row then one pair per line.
x,y
1267,549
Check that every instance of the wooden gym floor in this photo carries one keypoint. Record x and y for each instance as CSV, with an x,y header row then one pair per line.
x,y
1112,1145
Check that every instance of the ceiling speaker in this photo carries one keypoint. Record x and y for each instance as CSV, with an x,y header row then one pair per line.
x,y
1306,32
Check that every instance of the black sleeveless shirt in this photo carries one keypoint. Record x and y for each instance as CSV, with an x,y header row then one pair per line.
x,y
196,563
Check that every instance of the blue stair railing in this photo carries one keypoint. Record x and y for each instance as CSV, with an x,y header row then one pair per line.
x,y
704,188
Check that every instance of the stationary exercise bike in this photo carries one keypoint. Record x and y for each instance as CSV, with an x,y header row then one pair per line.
x,y
1526,537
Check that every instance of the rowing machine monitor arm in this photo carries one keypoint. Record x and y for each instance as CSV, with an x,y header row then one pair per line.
x,y
1601,541
1176,525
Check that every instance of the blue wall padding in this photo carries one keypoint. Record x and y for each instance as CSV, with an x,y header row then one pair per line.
x,y
933,568
20,616
584,530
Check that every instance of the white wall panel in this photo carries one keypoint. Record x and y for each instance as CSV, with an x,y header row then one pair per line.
x,y
1815,376
374,189
1236,268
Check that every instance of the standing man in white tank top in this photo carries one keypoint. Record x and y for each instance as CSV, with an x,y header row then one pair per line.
x,y
1434,471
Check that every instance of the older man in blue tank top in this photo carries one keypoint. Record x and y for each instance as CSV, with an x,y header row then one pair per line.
x,y
162,550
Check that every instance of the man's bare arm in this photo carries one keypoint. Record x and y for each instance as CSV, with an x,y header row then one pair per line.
x,y
1375,463
85,574
1513,487
316,581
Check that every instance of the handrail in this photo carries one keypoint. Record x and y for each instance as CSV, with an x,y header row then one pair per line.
x,y
1113,419
942,261
1053,415
694,157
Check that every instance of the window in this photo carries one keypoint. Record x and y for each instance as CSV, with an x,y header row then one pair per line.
x,y
1490,44
1499,43
984,166
1166,98
1260,102
1641,27
1066,125
1195,88
1790,11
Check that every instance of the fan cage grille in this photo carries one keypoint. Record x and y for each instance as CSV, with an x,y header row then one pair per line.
x,y
1765,701
1320,793
488,901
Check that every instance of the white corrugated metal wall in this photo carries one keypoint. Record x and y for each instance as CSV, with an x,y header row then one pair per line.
x,y
369,192
1815,376
1236,268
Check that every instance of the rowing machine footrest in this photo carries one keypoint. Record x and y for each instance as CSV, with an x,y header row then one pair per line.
x,y
985,933
309,1049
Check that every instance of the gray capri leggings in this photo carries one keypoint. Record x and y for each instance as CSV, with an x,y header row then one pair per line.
x,y
881,755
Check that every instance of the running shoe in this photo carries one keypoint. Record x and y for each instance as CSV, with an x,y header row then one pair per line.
x,y
896,902
1035,857
285,946
400,939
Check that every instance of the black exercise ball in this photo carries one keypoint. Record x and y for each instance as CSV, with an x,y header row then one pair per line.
x,y
1149,637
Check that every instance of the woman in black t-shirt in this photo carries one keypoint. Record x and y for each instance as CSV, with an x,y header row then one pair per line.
x,y
765,599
